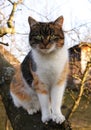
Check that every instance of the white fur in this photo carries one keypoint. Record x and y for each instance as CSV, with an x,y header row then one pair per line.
x,y
49,68
45,107
56,103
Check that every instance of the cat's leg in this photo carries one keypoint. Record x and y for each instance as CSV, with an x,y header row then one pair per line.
x,y
45,107
34,104
56,103
15,100
29,103
22,94
43,96
26,100
30,107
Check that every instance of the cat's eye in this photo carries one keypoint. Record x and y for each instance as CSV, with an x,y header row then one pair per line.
x,y
38,37
54,37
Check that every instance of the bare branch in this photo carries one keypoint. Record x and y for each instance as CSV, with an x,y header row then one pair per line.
x,y
10,20
10,2
76,77
6,44
10,29
5,30
73,29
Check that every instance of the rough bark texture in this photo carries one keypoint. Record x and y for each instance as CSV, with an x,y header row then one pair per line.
x,y
19,118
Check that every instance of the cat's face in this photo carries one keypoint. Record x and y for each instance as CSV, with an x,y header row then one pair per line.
x,y
46,37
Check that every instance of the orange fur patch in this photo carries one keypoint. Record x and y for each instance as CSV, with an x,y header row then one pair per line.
x,y
17,86
38,85
60,43
63,75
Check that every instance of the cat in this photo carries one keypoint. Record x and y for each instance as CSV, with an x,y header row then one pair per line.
x,y
40,80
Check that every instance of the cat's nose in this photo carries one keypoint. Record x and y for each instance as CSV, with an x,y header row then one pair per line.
x,y
44,46
45,42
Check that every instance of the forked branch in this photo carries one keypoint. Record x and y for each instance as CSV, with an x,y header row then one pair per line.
x,y
10,23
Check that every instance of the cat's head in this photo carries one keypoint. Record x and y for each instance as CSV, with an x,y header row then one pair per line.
x,y
46,37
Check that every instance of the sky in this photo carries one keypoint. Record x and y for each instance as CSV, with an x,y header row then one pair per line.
x,y
77,21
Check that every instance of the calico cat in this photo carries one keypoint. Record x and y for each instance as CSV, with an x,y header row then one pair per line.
x,y
40,81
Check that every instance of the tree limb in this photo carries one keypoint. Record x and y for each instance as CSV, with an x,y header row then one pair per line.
x,y
10,25
10,20
5,30
6,44
77,101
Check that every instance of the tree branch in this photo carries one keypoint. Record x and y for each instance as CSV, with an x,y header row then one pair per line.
x,y
10,29
10,20
6,44
5,30
77,101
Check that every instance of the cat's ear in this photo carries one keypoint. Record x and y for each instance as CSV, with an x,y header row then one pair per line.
x,y
31,21
59,21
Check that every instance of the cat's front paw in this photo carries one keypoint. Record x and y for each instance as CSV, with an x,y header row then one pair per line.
x,y
46,118
58,118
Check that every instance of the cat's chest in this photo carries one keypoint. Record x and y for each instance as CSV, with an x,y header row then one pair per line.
x,y
49,68
48,71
